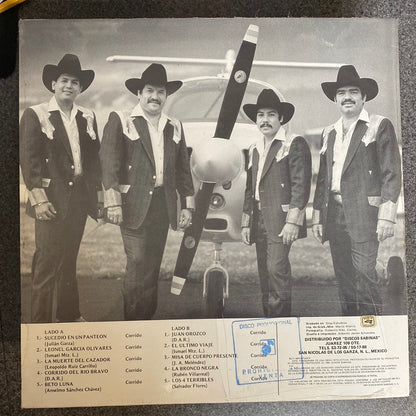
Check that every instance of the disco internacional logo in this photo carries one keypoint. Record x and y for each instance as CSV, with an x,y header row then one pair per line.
x,y
268,346
368,321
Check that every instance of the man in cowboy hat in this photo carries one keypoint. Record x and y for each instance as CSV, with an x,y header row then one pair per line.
x,y
277,191
60,167
358,186
145,163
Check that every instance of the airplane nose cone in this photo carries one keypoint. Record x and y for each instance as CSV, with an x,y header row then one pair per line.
x,y
216,161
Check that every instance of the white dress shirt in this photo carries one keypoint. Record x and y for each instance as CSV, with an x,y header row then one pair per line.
x,y
341,145
263,149
157,139
71,128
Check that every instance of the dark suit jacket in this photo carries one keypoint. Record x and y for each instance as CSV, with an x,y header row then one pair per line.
x,y
129,161
371,177
284,186
46,157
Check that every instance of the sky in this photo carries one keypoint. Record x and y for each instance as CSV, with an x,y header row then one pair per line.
x,y
369,44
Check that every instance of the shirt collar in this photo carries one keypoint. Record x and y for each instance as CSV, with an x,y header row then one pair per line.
x,y
363,116
280,135
138,112
53,106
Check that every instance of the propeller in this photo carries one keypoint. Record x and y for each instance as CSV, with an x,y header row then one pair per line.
x,y
228,115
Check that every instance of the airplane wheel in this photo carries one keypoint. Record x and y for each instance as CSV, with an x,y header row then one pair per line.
x,y
396,288
214,301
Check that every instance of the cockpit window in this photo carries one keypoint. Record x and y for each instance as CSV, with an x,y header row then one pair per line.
x,y
201,99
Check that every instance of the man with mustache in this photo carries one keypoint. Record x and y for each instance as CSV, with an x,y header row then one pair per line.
x,y
358,186
61,169
145,163
277,191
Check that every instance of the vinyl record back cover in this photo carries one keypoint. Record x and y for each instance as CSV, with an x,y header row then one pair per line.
x,y
211,211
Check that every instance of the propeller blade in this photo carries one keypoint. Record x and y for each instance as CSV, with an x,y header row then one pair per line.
x,y
191,238
228,115
237,84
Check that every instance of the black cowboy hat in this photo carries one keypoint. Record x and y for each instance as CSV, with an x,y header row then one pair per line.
x,y
154,74
70,65
348,76
269,99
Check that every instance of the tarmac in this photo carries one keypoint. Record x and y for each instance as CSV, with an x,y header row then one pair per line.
x,y
101,300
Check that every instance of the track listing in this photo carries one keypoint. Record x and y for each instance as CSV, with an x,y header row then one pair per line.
x,y
212,361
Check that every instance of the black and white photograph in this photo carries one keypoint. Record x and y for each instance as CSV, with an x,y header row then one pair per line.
x,y
229,173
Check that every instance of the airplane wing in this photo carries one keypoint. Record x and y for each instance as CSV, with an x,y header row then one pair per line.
x,y
228,61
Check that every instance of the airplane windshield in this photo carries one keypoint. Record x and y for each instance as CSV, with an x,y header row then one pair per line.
x,y
201,99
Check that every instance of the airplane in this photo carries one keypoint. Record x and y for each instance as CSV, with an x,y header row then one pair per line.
x,y
198,105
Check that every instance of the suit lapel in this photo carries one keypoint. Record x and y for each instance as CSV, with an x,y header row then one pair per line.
x,y
271,154
82,128
358,134
254,168
330,153
60,132
141,126
168,145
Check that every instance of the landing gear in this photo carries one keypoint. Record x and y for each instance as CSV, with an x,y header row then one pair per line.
x,y
216,286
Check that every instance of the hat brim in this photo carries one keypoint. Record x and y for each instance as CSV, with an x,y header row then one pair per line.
x,y
285,110
52,73
368,87
136,84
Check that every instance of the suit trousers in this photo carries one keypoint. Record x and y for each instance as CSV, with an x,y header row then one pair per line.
x,y
144,248
354,266
274,272
55,261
